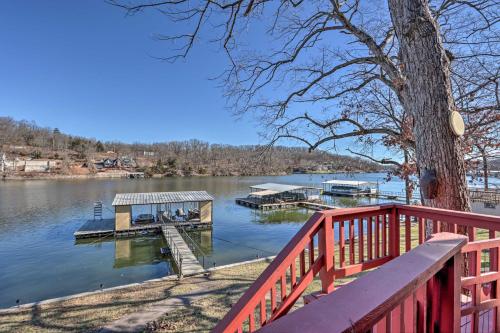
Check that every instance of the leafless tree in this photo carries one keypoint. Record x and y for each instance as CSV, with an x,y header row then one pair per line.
x,y
310,55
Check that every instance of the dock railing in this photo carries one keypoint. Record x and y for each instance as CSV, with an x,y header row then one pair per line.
x,y
176,254
191,243
482,195
328,245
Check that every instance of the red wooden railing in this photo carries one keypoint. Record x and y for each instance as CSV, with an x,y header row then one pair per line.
x,y
416,292
481,288
321,247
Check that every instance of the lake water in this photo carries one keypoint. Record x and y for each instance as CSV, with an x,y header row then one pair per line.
x,y
40,259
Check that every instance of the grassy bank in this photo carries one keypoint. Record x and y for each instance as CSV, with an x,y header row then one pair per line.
x,y
89,313
205,300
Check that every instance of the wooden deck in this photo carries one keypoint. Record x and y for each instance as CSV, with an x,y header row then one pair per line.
x,y
316,206
189,264
96,228
106,227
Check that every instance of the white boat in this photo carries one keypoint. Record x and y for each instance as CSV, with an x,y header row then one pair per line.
x,y
351,188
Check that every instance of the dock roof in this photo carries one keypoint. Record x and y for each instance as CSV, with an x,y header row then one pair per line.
x,y
128,199
348,182
263,193
278,188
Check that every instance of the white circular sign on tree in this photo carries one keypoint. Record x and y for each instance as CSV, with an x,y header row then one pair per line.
x,y
457,123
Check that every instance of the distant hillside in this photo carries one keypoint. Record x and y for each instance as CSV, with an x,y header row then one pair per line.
x,y
21,141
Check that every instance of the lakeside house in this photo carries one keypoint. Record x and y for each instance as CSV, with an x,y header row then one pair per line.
x,y
28,165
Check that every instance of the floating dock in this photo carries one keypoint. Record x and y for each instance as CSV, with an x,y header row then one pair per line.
x,y
106,227
184,259
314,205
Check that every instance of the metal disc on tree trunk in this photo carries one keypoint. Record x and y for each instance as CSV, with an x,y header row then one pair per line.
x,y
457,123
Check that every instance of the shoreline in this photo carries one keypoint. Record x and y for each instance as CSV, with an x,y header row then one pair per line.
x,y
172,278
120,175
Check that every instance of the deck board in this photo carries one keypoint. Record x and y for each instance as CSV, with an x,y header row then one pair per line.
x,y
190,265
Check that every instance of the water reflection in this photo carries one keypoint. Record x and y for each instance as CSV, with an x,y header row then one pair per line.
x,y
139,251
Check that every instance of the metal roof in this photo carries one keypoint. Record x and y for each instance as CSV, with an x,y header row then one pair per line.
x,y
348,182
263,193
127,199
278,188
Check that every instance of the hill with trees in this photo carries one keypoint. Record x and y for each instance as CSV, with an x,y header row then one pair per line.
x,y
75,155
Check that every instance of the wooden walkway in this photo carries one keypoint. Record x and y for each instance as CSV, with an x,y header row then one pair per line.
x,y
316,206
184,258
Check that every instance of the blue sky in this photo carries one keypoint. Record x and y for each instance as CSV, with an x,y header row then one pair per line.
x,y
88,69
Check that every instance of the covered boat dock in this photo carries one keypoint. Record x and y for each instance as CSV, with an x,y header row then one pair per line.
x,y
188,209
275,196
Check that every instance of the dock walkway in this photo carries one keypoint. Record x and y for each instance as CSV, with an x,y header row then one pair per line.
x,y
181,251
316,206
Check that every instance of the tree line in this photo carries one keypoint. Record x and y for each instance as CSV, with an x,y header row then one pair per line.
x,y
192,157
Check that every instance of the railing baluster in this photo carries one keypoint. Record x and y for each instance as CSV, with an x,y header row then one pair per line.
x,y
283,287
293,276
407,233
302,264
394,233
311,252
377,236
436,226
361,245
384,235
351,242
369,237
273,298
251,321
476,294
421,230
341,244
326,249
496,311
333,245
263,315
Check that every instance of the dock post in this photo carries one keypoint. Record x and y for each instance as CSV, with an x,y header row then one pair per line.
x,y
180,267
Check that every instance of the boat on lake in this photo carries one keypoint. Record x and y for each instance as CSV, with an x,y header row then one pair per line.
x,y
350,188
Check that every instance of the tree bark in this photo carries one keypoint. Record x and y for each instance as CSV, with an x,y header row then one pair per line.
x,y
485,168
426,94
408,189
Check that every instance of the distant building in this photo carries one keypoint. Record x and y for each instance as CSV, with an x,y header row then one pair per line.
x,y
110,163
28,165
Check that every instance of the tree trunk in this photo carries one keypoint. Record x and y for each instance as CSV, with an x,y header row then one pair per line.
x,y
426,94
408,187
485,168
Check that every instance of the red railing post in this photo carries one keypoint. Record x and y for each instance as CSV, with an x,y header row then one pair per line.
x,y
394,233
443,292
326,249
450,298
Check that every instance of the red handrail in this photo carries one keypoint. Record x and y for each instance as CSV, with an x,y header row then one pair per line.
x,y
315,250
394,297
